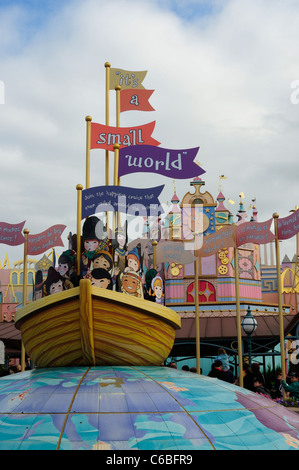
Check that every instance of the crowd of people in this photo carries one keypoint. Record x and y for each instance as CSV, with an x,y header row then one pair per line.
x,y
253,379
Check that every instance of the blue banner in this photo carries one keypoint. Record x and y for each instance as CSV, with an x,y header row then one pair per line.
x,y
127,200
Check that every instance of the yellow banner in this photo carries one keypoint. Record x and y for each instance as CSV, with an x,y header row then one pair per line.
x,y
126,79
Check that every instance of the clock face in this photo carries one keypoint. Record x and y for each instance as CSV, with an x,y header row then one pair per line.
x,y
221,217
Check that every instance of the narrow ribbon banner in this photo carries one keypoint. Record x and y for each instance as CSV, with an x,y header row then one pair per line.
x,y
104,137
41,242
135,100
126,79
288,226
222,238
122,199
176,164
11,234
254,232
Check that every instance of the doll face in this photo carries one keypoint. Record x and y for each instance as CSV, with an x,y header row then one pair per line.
x,y
101,262
102,283
121,239
56,287
91,245
63,269
133,264
158,291
130,284
38,294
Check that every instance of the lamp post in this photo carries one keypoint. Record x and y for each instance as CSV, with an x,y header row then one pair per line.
x,y
249,324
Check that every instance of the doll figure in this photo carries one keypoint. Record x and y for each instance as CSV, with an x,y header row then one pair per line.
x,y
103,259
157,289
54,282
100,277
38,287
131,284
133,261
66,268
94,237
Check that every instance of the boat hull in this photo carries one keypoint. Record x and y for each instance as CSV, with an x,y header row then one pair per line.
x,y
91,326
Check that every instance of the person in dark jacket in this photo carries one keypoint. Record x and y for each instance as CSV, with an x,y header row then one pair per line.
x,y
260,388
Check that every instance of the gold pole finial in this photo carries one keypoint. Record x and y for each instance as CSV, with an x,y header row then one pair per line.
x,y
107,64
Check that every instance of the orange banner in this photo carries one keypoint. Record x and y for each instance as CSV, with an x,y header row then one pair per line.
x,y
104,137
135,100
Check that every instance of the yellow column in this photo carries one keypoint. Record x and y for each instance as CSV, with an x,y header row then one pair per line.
x,y
88,120
79,188
197,325
279,291
107,65
25,275
238,318
154,243
116,156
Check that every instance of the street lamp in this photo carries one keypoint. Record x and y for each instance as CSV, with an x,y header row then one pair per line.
x,y
249,324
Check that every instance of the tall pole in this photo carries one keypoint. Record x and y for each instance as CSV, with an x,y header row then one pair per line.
x,y
238,317
117,89
79,188
88,120
197,326
279,291
107,65
26,232
116,157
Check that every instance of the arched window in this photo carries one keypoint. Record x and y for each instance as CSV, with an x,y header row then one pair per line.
x,y
30,278
14,279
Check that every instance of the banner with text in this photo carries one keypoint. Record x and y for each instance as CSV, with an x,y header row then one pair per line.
x,y
255,232
41,242
174,252
127,200
126,78
177,164
135,100
223,238
288,227
11,234
104,137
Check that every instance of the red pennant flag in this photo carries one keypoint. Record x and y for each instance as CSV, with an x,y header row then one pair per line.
x,y
135,100
11,234
41,242
254,232
104,137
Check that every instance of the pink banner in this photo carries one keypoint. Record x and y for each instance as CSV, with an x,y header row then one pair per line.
x,y
288,227
41,242
11,234
222,238
255,232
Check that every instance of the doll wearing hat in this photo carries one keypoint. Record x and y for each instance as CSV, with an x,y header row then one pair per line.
x,y
38,286
94,237
66,268
131,284
157,289
133,261
54,282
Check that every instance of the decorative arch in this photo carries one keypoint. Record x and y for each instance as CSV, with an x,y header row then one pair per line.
x,y
206,292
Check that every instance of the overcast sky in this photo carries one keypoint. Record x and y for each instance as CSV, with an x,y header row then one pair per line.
x,y
222,71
